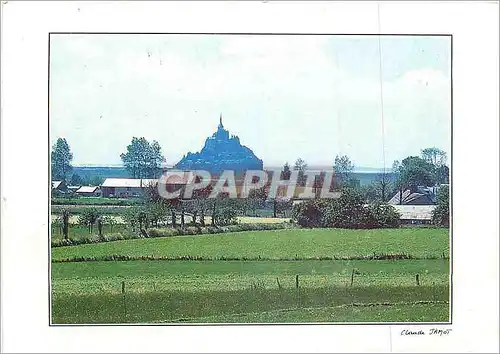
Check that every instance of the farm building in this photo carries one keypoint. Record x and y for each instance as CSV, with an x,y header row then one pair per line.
x,y
59,187
88,191
415,214
73,189
415,196
125,187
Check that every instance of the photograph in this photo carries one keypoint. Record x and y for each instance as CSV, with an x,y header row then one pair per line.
x,y
249,178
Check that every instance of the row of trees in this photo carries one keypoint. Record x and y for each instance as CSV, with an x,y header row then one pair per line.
x,y
142,159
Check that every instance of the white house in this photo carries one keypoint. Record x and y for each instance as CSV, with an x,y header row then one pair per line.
x,y
415,214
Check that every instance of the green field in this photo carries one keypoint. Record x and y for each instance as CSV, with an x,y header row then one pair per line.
x,y
261,290
420,312
277,244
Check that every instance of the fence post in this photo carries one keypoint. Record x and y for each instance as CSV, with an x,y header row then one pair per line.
x,y
298,291
124,302
417,278
352,277
278,281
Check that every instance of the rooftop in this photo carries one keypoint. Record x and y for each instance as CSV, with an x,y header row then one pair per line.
x,y
87,189
128,182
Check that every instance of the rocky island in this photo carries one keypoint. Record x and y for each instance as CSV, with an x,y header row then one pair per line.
x,y
221,152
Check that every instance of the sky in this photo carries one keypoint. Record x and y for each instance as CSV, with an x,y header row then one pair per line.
x,y
312,97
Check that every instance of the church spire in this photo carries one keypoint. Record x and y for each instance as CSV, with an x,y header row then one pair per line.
x,y
220,121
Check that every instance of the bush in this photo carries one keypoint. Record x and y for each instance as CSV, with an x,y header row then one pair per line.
x,y
441,214
384,215
308,214
348,212
226,216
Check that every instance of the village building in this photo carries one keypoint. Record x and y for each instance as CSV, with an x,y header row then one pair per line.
x,y
415,214
126,187
73,189
88,191
415,196
59,187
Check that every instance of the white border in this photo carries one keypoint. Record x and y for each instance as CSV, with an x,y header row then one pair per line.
x,y
25,27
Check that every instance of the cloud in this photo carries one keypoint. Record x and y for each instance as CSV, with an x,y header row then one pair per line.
x,y
286,96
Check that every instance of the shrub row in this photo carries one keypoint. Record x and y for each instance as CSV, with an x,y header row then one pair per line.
x,y
92,238
198,230
94,201
347,212
167,232
378,257
80,209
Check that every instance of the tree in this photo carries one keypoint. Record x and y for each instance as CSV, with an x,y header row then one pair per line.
x,y
143,159
414,172
437,158
96,181
76,180
202,202
282,206
65,222
434,156
441,214
89,217
443,175
286,173
109,220
99,222
257,199
370,192
383,187
301,166
61,158
225,216
342,168
138,216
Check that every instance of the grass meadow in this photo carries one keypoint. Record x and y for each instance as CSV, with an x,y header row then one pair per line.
x,y
267,289
277,244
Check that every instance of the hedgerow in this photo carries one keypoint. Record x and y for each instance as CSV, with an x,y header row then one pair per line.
x,y
382,256
170,231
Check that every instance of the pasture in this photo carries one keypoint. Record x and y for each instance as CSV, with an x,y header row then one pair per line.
x,y
277,244
283,282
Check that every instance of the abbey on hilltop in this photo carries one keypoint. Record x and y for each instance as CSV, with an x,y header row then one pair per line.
x,y
221,152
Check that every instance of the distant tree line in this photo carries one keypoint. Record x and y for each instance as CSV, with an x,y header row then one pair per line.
x,y
142,159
